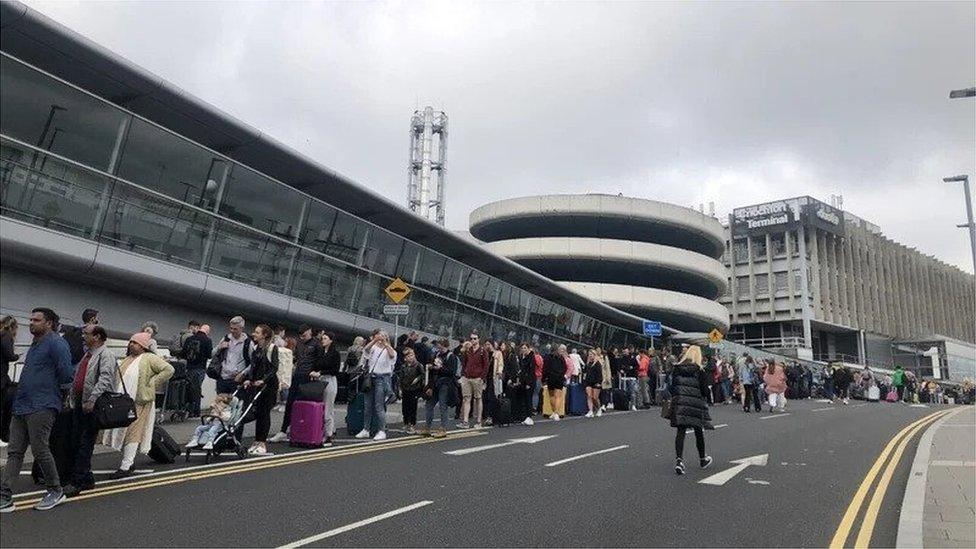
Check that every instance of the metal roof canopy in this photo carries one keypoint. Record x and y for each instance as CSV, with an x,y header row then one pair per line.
x,y
44,43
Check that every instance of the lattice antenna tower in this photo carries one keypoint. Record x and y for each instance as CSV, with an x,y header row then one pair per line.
x,y
427,166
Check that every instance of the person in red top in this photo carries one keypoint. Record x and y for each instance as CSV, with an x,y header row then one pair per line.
x,y
95,375
476,362
643,378
538,380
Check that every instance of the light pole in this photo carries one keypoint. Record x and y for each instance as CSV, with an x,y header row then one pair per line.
x,y
969,211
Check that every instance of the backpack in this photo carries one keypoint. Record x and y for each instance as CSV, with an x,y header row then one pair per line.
x,y
191,351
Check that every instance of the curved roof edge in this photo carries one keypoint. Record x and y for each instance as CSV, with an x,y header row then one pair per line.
x,y
599,206
50,46
709,313
606,249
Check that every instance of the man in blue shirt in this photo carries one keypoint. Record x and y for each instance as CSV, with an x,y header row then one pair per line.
x,y
38,401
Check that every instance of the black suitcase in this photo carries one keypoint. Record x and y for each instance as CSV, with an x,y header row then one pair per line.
x,y
164,449
503,411
621,399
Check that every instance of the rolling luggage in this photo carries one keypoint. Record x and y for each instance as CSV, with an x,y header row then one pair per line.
x,y
164,449
892,396
312,391
307,424
621,399
576,399
355,414
547,406
503,411
874,394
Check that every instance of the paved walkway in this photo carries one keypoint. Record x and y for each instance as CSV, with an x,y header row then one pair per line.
x,y
950,491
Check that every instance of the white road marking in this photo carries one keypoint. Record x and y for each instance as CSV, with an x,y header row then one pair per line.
x,y
722,477
528,440
108,472
756,481
775,416
918,406
353,526
859,405
824,400
720,425
951,463
822,409
581,456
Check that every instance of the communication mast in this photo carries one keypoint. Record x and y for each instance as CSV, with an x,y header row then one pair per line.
x,y
428,155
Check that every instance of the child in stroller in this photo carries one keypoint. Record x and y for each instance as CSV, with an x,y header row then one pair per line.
x,y
226,409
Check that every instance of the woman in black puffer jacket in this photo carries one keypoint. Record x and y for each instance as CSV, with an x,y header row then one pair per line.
x,y
689,406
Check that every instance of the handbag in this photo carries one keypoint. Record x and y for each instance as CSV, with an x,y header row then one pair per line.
x,y
667,409
312,391
114,410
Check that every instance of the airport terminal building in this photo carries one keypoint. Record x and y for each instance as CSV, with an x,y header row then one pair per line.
x,y
124,193
653,259
812,280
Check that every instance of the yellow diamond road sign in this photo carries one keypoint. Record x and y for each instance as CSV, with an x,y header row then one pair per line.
x,y
397,291
715,336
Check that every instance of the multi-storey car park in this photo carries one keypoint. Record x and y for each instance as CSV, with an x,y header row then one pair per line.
x,y
650,258
123,192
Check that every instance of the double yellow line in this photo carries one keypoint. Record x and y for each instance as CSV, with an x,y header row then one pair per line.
x,y
245,466
894,450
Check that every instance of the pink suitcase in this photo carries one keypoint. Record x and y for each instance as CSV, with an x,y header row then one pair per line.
x,y
307,424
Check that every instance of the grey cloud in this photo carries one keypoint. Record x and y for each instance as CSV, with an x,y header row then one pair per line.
x,y
685,102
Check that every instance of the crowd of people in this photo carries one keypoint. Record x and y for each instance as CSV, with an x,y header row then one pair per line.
x,y
68,370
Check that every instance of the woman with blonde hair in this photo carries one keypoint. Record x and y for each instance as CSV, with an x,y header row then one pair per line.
x,y
689,406
775,380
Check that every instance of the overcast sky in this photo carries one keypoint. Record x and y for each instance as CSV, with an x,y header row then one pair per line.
x,y
687,102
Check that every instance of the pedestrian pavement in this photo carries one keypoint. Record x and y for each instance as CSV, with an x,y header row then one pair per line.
x,y
949,518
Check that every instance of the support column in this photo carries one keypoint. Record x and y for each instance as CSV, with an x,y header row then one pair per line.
x,y
804,289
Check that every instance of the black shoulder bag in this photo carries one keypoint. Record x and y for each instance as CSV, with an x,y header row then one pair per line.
x,y
114,410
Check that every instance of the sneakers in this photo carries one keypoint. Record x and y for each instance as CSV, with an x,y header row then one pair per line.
x,y
258,450
633,408
599,412
208,446
50,500
327,441
280,436
71,491
424,432
410,429
363,434
554,417
679,467
439,433
194,442
705,462
6,505
463,426
121,473
380,436
846,402
528,421
589,414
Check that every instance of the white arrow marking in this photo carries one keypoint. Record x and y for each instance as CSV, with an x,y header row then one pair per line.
x,y
511,441
719,479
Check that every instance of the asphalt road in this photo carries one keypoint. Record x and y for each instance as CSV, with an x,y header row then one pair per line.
x,y
818,455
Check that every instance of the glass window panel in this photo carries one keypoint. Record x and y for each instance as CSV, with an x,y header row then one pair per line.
x,y
319,224
371,297
43,112
325,281
431,313
475,289
743,288
389,254
781,282
262,203
345,238
762,283
48,192
740,250
157,159
778,243
759,248
243,255
430,273
147,224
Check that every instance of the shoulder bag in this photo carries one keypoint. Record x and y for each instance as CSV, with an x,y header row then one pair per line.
x,y
114,410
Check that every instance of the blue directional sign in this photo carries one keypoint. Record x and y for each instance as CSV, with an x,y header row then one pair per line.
x,y
652,328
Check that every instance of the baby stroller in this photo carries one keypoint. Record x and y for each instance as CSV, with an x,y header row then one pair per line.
x,y
229,438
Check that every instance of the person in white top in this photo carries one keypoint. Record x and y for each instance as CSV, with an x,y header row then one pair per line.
x,y
382,357
577,365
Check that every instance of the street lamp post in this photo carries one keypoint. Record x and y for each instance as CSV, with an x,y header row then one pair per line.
x,y
969,211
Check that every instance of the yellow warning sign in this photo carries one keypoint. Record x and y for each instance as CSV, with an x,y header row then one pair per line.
x,y
397,291
715,336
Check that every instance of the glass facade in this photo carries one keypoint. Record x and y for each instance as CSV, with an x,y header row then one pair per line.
x,y
80,165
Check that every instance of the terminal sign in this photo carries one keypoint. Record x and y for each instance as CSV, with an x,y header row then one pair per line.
x,y
398,290
715,336
652,328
